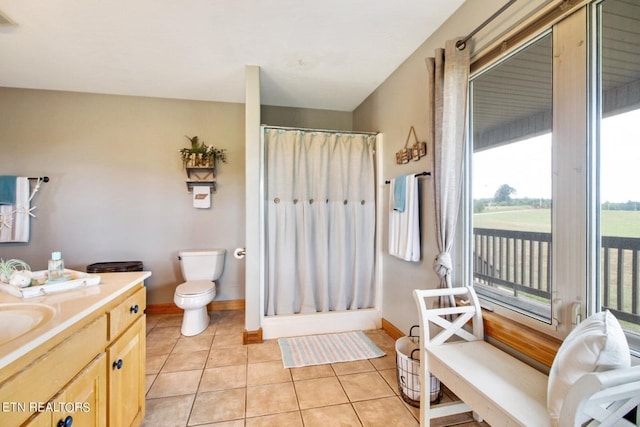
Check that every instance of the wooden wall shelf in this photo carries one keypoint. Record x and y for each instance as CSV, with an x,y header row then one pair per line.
x,y
202,177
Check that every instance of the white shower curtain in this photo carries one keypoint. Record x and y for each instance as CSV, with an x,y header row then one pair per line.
x,y
320,211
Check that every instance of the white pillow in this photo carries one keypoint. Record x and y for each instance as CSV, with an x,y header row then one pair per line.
x,y
597,344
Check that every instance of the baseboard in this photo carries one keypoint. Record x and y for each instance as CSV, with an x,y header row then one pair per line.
x,y
171,308
232,304
252,337
390,329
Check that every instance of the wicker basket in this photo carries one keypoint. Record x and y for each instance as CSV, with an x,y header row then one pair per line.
x,y
408,371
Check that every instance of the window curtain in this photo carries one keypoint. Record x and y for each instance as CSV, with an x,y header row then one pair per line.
x,y
448,76
320,221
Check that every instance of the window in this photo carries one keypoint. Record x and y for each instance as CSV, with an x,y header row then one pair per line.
x,y
618,94
553,171
511,180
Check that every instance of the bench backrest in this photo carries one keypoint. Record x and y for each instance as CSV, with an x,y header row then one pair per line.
x,y
450,319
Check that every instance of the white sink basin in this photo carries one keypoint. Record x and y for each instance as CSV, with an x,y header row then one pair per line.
x,y
16,319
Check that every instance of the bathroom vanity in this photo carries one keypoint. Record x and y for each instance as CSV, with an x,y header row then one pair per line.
x,y
82,362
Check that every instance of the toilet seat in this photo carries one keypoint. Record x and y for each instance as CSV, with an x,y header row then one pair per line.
x,y
194,288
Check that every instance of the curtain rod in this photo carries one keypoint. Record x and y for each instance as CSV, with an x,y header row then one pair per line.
x,y
462,44
416,175
321,130
41,178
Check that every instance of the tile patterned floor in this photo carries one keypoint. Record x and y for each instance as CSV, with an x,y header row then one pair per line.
x,y
212,379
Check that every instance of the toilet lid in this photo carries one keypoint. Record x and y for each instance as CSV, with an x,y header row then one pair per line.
x,y
196,287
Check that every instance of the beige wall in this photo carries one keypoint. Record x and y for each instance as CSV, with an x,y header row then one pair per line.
x,y
306,118
117,189
399,103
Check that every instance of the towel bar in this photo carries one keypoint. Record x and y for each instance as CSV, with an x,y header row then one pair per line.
x,y
416,175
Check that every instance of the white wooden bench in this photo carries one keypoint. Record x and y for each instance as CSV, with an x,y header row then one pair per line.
x,y
497,387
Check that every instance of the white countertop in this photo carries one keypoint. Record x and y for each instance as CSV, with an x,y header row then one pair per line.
x,y
70,307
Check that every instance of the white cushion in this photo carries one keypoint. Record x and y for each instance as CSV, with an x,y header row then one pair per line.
x,y
597,344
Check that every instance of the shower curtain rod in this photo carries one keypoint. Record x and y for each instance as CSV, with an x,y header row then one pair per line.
x,y
321,130
462,44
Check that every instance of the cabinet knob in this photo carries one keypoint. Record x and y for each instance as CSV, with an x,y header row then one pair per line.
x,y
117,364
134,309
67,422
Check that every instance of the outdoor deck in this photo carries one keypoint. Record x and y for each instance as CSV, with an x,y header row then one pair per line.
x,y
515,267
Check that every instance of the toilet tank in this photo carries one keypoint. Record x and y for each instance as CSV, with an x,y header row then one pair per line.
x,y
204,264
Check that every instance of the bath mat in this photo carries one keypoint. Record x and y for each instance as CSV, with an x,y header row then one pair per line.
x,y
329,348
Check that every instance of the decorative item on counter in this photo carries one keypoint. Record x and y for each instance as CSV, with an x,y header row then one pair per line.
x,y
201,155
17,279
40,285
56,267
415,152
15,272
21,278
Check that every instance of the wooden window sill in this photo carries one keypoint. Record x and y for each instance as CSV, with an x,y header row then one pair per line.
x,y
528,341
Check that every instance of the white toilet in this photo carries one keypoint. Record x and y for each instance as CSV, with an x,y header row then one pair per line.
x,y
200,269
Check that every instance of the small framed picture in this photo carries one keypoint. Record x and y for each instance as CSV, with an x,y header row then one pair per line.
x,y
415,152
422,148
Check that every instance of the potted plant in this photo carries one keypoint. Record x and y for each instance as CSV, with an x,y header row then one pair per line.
x,y
201,155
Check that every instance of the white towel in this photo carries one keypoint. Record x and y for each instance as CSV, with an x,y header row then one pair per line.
x,y
14,219
404,227
201,196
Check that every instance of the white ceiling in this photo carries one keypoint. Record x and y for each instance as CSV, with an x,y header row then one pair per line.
x,y
327,54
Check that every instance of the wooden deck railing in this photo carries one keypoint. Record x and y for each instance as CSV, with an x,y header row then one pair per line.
x,y
619,277
519,263
515,260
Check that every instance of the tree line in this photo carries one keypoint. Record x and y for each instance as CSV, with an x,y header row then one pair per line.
x,y
504,193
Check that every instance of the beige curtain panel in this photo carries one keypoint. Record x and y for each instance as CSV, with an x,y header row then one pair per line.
x,y
448,77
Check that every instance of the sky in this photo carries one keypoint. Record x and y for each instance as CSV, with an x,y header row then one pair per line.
x,y
620,158
526,165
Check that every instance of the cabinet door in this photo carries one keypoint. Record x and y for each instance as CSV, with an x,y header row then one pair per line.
x,y
85,398
83,402
39,419
126,381
43,379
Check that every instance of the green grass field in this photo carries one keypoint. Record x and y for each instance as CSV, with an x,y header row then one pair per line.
x,y
523,218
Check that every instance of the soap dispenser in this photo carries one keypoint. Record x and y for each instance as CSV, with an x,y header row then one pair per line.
x,y
56,266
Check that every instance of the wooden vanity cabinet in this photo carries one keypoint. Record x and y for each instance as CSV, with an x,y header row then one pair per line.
x,y
36,384
126,362
94,377
83,402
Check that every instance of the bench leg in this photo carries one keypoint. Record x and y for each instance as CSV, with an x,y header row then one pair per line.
x,y
429,411
424,397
